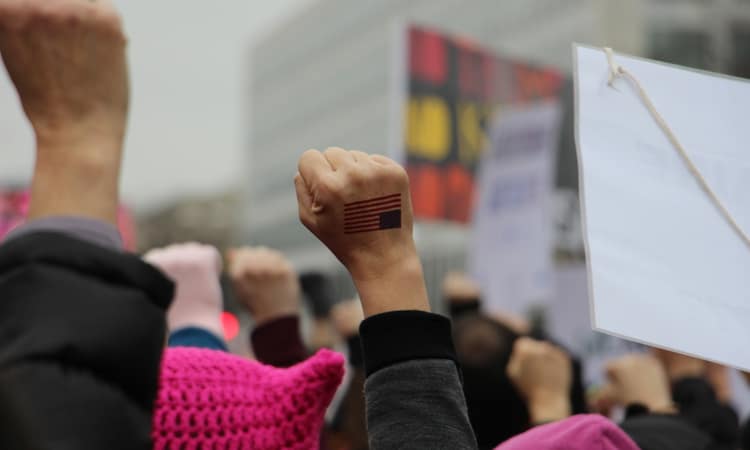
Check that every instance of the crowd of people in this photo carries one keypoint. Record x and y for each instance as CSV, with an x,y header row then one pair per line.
x,y
103,349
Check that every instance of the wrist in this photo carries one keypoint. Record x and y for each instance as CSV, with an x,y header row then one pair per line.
x,y
76,178
549,407
396,286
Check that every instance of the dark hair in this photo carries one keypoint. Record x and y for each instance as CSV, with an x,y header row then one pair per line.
x,y
496,410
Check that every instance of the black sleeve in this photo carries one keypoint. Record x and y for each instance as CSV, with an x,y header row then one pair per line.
x,y
458,309
665,432
82,330
413,388
697,403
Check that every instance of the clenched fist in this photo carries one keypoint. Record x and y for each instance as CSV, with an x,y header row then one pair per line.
x,y
67,61
265,282
358,205
543,375
195,270
640,379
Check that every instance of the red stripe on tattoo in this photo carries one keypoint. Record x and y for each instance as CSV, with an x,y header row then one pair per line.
x,y
377,199
371,212
363,220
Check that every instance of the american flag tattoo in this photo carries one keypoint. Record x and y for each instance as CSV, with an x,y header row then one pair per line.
x,y
381,213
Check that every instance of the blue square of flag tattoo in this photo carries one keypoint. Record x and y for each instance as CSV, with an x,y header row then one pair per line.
x,y
380,213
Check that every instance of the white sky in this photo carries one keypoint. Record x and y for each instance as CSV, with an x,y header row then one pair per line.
x,y
189,61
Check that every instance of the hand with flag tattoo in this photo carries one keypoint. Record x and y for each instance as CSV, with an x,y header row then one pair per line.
x,y
358,205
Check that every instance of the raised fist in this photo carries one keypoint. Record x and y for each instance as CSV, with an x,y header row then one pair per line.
x,y
195,270
543,375
640,379
358,205
265,282
67,60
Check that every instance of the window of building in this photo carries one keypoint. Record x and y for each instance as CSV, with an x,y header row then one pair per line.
x,y
740,63
692,48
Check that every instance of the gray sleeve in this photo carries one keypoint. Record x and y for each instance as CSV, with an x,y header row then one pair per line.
x,y
83,228
418,404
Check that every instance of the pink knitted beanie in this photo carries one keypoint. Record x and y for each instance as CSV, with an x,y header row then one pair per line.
x,y
214,400
582,432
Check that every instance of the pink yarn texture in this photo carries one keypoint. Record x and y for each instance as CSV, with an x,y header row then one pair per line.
x,y
581,432
214,400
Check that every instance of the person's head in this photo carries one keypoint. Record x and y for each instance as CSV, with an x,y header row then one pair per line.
x,y
496,409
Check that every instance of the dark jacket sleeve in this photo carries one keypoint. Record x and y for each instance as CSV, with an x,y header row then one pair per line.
x,y
413,389
278,342
82,329
698,404
665,432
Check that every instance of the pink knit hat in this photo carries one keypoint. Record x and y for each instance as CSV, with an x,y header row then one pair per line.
x,y
214,400
583,432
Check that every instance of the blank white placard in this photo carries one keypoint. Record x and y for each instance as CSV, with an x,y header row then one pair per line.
x,y
665,268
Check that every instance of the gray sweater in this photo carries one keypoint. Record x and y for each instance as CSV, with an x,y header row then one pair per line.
x,y
418,404
413,389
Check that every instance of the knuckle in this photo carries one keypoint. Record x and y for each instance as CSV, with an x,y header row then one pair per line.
x,y
331,150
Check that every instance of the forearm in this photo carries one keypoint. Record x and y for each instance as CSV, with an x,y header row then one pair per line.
x,y
413,388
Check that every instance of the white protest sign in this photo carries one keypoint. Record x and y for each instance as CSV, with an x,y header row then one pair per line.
x,y
512,240
666,268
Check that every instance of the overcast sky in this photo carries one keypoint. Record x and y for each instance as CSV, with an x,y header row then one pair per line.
x,y
189,63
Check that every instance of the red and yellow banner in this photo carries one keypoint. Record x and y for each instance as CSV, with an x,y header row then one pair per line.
x,y
454,88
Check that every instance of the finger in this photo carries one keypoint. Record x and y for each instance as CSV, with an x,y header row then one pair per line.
x,y
312,166
304,201
383,160
338,158
359,156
